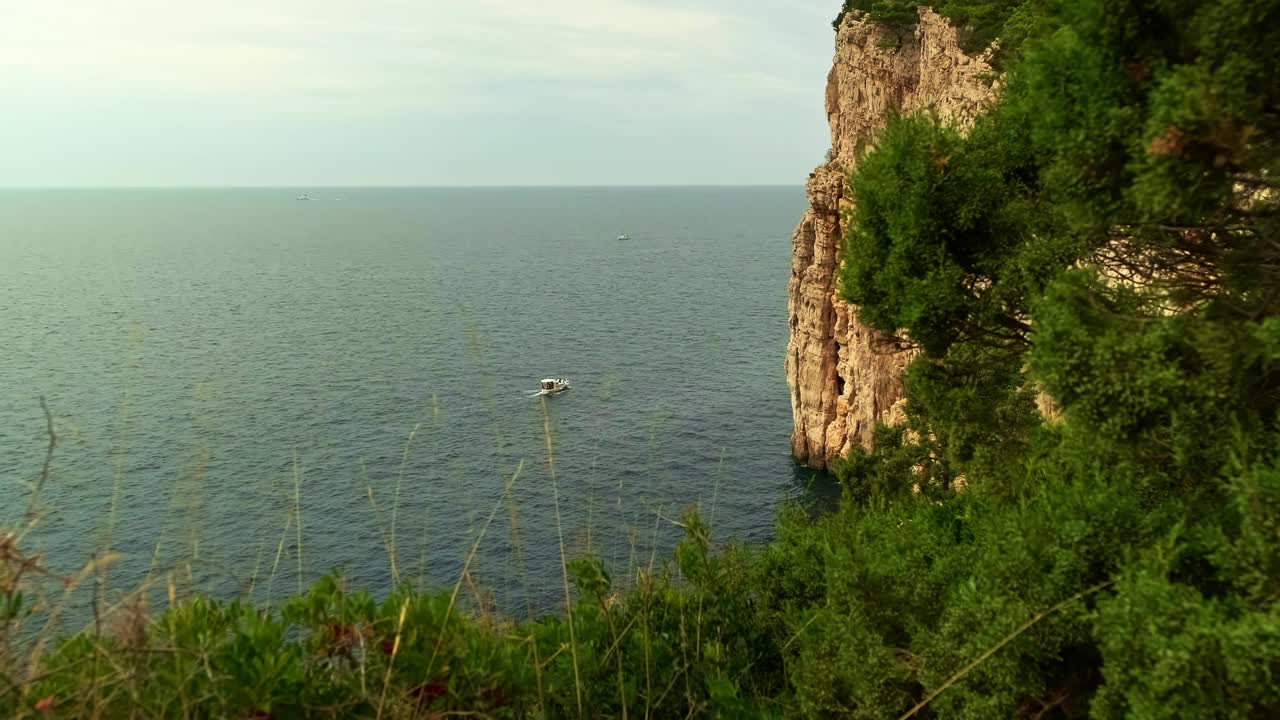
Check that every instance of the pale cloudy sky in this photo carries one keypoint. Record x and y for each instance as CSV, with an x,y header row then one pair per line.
x,y
306,93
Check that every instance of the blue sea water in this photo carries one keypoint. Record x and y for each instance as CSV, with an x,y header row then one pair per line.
x,y
209,357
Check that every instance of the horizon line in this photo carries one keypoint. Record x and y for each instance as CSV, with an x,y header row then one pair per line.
x,y
306,188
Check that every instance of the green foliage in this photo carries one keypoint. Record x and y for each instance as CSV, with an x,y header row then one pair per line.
x,y
1107,234
977,413
1135,141
1168,392
889,12
1184,647
950,238
982,21
897,468
1121,131
672,645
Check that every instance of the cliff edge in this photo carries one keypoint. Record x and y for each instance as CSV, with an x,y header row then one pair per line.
x,y
845,377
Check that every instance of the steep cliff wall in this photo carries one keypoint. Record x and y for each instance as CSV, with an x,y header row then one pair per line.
x,y
845,377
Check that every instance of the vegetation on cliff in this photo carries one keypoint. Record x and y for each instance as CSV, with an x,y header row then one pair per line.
x,y
982,20
1108,235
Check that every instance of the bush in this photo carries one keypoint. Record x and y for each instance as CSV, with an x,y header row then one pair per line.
x,y
982,21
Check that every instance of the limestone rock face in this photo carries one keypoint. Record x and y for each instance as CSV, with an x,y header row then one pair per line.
x,y
845,377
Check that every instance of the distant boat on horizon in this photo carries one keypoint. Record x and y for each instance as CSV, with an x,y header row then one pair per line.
x,y
304,196
624,236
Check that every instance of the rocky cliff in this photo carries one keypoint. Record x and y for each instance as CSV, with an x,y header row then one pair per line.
x,y
845,377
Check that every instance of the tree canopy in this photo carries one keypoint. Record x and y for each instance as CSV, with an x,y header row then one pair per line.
x,y
981,20
1105,236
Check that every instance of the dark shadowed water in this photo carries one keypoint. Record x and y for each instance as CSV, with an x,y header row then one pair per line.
x,y
205,353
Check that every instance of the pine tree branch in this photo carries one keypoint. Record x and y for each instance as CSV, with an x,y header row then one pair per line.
x,y
998,646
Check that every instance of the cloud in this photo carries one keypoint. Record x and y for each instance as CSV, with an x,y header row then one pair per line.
x,y
399,91
290,53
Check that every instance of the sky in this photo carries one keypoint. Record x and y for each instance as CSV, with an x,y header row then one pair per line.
x,y
311,93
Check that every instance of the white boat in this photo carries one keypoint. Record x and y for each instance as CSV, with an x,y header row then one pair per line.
x,y
304,196
552,386
624,236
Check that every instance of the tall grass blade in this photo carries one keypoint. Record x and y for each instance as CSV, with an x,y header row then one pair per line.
x,y
564,565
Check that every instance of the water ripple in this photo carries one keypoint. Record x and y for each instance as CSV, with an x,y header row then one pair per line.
x,y
207,348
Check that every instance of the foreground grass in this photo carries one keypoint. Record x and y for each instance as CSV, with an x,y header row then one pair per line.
x,y
666,648
1080,599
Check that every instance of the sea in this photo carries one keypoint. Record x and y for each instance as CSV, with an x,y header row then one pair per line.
x,y
249,390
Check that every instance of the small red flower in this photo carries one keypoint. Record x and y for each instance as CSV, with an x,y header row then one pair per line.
x,y
45,704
